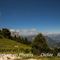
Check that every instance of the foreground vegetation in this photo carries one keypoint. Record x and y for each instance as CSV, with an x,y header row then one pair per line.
x,y
41,58
33,49
17,44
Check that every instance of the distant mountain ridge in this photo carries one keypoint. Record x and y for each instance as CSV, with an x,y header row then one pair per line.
x,y
53,40
55,37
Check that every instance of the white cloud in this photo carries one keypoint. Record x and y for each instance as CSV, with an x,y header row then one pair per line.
x,y
32,31
12,30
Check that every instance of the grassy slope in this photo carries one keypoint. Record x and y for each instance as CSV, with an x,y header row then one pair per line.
x,y
10,44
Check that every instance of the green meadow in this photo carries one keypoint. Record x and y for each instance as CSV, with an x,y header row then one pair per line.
x,y
10,46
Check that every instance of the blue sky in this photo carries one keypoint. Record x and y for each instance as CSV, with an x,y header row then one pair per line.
x,y
43,15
